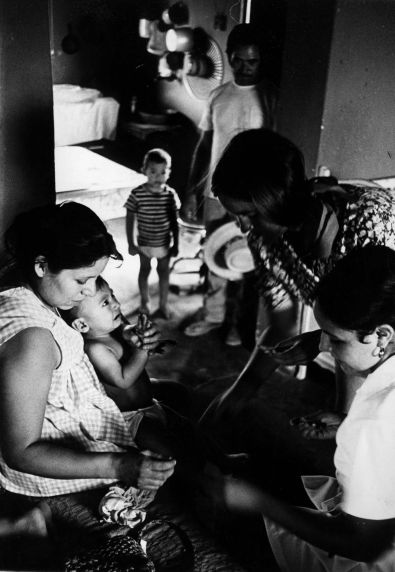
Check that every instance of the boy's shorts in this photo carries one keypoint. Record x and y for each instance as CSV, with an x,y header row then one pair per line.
x,y
154,251
134,418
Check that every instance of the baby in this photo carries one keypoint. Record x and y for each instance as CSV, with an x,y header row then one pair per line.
x,y
119,353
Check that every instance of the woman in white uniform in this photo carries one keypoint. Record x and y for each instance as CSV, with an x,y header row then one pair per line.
x,y
354,526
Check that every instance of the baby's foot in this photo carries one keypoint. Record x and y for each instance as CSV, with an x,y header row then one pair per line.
x,y
34,522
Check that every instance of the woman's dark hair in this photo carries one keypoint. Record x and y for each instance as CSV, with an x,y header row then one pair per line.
x,y
359,293
68,235
261,166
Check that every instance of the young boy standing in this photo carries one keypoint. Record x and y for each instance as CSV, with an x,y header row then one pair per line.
x,y
152,227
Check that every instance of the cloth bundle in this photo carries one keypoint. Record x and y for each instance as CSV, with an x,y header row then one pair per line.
x,y
125,505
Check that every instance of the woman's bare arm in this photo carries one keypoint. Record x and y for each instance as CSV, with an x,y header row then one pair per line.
x,y
356,538
27,362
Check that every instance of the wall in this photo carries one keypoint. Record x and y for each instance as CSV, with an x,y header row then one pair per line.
x,y
202,13
338,82
305,66
358,137
113,58
111,55
26,135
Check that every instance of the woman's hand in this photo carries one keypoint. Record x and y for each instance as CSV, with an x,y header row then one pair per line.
x,y
145,470
318,425
298,350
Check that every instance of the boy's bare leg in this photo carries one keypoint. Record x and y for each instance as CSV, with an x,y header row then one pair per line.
x,y
163,272
145,269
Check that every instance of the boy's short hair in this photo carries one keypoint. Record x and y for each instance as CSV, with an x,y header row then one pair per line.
x,y
157,156
70,315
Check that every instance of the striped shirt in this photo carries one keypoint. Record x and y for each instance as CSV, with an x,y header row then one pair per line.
x,y
155,213
78,412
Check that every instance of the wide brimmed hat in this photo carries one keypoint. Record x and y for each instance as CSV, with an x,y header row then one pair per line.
x,y
227,254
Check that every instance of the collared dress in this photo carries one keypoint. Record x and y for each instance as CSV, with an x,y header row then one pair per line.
x,y
78,412
365,215
364,484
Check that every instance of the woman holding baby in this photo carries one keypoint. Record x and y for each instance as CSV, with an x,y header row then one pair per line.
x,y
62,438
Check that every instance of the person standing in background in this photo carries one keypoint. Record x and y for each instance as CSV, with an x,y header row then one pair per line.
x,y
246,102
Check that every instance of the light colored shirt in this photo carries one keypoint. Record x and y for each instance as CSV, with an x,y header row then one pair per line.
x,y
78,411
232,108
365,454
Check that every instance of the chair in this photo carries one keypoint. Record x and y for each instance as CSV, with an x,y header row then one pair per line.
x,y
188,271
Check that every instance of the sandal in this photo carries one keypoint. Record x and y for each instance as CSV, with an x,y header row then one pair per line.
x,y
200,328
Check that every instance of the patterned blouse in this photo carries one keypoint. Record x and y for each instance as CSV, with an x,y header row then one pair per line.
x,y
78,412
365,216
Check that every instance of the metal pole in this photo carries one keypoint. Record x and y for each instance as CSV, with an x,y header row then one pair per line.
x,y
245,11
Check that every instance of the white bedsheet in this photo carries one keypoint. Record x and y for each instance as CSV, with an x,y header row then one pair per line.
x,y
83,114
88,178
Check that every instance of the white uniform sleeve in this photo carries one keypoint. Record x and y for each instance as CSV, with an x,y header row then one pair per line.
x,y
369,490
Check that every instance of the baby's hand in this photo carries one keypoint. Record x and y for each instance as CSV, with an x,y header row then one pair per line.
x,y
145,336
130,336
148,334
